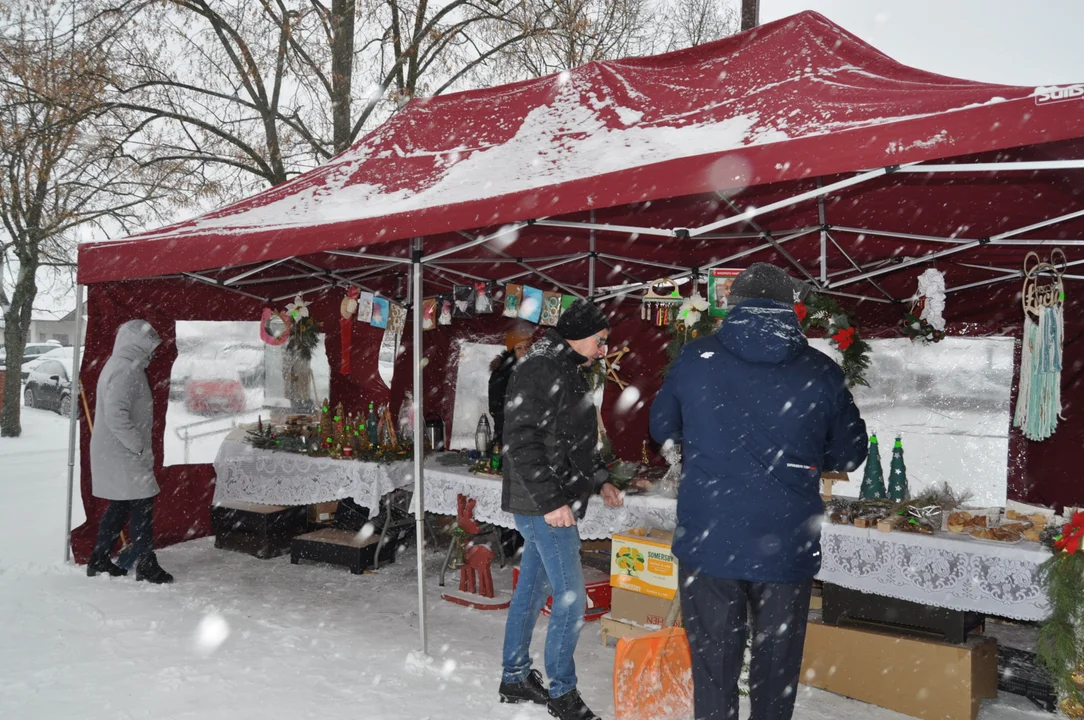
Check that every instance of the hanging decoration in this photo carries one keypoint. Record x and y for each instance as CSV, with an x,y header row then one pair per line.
x,y
820,312
551,309
660,302
691,309
429,314
365,307
381,307
304,330
274,327
1038,400
464,301
444,310
1060,645
925,321
347,309
389,346
530,308
483,299
612,365
720,281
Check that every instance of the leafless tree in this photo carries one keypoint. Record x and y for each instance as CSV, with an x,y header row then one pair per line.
x,y
260,91
695,22
63,160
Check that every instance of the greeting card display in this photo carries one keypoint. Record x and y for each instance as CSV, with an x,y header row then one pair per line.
x,y
444,313
483,299
429,314
464,301
513,296
566,302
381,308
719,282
531,306
551,309
365,307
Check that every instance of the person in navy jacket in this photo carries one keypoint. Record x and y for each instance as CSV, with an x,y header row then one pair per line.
x,y
759,415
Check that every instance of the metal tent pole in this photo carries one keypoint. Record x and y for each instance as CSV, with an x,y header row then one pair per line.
x,y
419,438
73,418
824,236
591,260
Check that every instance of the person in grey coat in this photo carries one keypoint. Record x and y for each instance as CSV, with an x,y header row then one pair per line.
x,y
121,457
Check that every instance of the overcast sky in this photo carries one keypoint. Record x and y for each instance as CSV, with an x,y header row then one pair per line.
x,y
1014,42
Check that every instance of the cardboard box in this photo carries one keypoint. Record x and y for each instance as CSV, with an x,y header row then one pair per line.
x,y
639,609
613,630
323,512
828,479
641,561
910,675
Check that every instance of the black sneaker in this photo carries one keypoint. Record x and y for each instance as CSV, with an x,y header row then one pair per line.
x,y
570,707
104,564
530,690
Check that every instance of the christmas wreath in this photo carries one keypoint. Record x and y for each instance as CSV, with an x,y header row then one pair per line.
x,y
1061,637
816,312
820,312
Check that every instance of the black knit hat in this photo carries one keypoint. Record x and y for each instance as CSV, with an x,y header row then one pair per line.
x,y
762,281
581,319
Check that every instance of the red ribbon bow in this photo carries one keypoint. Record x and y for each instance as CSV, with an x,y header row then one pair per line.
x,y
1071,535
801,311
844,338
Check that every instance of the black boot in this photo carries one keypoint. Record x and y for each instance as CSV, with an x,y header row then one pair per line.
x,y
148,569
103,564
530,690
570,707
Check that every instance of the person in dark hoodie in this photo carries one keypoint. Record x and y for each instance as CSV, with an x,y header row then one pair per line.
x,y
516,342
551,469
759,415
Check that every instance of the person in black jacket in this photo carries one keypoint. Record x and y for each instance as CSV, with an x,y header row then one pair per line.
x,y
516,343
759,415
551,469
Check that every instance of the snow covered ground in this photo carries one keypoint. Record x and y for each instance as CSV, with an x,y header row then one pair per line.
x,y
239,638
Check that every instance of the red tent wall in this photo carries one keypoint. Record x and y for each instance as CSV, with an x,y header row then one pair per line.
x,y
1038,472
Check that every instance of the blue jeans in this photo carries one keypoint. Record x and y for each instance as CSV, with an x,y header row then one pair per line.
x,y
550,565
141,524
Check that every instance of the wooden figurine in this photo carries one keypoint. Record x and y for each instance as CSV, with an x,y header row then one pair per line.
x,y
476,576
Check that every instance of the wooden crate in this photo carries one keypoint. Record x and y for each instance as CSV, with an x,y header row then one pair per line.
x,y
264,531
341,547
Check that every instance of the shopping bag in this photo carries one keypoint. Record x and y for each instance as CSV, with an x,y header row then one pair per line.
x,y
653,675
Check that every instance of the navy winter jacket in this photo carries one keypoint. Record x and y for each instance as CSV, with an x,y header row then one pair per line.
x,y
759,415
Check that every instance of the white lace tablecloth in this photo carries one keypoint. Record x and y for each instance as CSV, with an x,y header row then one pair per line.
x,y
246,474
951,571
443,484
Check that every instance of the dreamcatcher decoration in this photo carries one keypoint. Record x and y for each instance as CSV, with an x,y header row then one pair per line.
x,y
926,320
661,301
1038,400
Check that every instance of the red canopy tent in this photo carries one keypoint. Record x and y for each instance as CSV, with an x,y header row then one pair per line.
x,y
795,142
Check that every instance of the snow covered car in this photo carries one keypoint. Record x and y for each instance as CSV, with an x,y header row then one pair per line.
x,y
55,352
49,386
214,388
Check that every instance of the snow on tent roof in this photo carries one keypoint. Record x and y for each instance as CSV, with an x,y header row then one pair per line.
x,y
796,98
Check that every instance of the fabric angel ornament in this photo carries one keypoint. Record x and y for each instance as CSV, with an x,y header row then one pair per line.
x,y
298,308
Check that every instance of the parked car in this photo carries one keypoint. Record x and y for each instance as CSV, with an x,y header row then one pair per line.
x,y
32,352
56,353
214,388
49,386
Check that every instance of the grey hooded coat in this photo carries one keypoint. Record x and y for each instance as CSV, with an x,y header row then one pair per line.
x,y
121,459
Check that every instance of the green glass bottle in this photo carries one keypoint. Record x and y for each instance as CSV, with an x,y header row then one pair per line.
x,y
370,425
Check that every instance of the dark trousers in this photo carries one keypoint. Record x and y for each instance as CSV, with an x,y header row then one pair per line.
x,y
717,618
141,526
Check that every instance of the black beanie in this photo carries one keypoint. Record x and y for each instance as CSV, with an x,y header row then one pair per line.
x,y
581,319
762,281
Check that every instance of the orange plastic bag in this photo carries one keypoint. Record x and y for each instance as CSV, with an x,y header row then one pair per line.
x,y
653,677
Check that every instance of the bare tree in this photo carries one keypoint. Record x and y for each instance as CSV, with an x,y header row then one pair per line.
x,y
257,92
578,32
63,160
695,22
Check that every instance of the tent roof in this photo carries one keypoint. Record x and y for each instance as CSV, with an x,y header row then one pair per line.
x,y
795,99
